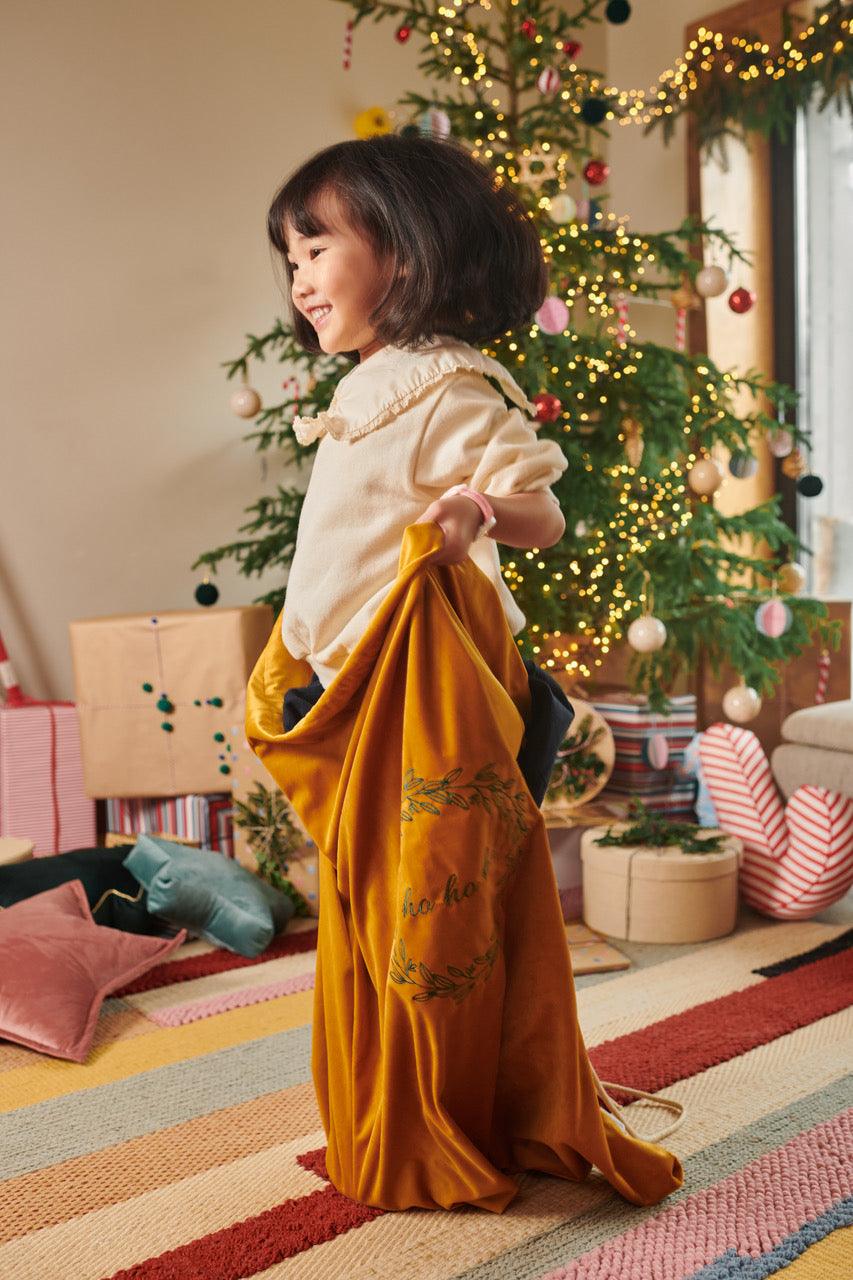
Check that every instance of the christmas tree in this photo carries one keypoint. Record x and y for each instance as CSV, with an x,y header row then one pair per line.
x,y
646,554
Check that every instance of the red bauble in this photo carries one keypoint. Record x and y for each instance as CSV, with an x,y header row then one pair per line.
x,y
528,28
571,48
403,34
741,300
596,172
548,407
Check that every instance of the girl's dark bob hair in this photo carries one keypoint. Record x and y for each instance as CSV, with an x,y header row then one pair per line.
x,y
465,254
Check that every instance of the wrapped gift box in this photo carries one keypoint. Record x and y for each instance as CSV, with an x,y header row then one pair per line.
x,y
202,820
42,797
659,895
666,789
196,665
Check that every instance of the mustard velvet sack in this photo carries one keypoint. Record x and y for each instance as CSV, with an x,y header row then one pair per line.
x,y
446,1051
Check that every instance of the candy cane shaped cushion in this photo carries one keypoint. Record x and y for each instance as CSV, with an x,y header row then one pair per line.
x,y
797,860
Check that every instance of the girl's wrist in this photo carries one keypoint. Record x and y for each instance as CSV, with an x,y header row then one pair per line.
x,y
488,517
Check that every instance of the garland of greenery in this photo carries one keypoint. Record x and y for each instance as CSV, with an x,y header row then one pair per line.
x,y
656,831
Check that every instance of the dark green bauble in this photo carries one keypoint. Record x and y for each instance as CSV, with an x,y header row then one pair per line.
x,y
593,110
810,486
410,131
206,593
618,11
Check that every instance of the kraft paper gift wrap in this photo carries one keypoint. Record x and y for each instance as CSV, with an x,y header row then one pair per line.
x,y
446,1055
200,661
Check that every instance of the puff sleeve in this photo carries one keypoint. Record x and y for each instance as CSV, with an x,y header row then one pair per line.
x,y
470,436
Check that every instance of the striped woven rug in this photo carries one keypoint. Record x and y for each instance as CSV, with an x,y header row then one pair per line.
x,y
188,1146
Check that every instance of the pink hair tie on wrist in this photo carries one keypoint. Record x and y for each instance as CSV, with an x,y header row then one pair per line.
x,y
489,517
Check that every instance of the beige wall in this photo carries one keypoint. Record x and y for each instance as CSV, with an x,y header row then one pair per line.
x,y
148,140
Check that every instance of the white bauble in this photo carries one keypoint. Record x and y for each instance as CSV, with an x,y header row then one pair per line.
x,y
704,476
711,281
563,208
245,402
741,703
647,633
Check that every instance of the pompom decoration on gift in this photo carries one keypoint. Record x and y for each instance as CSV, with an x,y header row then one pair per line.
x,y
548,407
617,12
593,110
435,123
206,593
371,123
791,578
646,634
810,485
562,209
704,477
742,465
548,81
780,442
772,618
245,402
402,34
741,300
655,751
596,172
711,281
553,315
741,703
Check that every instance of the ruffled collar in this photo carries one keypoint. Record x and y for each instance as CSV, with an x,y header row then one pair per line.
x,y
373,393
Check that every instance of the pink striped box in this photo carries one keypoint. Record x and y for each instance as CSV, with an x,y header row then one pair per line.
x,y
41,778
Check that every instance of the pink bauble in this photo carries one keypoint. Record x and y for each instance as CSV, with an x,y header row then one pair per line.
x,y
711,281
773,618
741,703
780,442
245,402
704,476
548,81
647,633
553,315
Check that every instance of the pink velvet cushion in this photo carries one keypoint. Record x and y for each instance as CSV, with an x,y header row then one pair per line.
x,y
57,966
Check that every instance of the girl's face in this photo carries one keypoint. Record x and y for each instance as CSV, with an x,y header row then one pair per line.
x,y
337,281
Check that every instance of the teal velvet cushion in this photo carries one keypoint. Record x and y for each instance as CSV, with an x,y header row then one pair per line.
x,y
209,894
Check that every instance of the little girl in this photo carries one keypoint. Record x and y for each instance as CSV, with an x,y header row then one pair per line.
x,y
404,255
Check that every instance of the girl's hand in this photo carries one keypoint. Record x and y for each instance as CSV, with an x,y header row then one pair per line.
x,y
459,519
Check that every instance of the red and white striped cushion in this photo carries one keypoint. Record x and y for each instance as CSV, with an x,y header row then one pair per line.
x,y
797,860
745,797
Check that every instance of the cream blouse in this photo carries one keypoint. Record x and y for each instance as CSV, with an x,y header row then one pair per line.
x,y
401,428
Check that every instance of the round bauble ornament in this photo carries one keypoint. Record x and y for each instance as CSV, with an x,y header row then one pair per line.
x,y
371,123
794,465
780,442
571,48
711,281
656,751
741,703
553,315
617,12
742,465
810,485
548,407
206,593
704,476
563,208
548,81
741,300
791,578
772,618
581,528
435,123
596,172
528,28
402,34
593,110
245,402
646,634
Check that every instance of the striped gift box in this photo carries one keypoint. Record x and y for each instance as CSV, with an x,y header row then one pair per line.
x,y
41,777
633,724
205,818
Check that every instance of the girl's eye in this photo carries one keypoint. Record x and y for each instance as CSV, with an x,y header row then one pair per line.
x,y
310,251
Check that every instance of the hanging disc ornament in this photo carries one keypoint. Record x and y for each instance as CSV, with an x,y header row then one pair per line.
x,y
245,402
206,593
742,465
711,281
548,82
617,12
780,442
810,485
593,110
791,578
562,209
741,703
548,407
741,300
773,618
794,465
596,172
646,634
704,477
553,315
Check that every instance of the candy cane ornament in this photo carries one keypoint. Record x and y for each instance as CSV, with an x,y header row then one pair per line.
x,y
681,329
823,664
621,319
347,44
